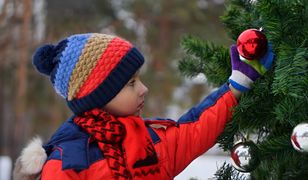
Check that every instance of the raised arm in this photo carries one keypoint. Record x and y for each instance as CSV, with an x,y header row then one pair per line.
x,y
198,129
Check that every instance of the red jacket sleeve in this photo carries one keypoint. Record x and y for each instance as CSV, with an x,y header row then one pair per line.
x,y
198,129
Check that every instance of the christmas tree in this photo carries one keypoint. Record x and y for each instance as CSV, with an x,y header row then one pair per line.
x,y
278,101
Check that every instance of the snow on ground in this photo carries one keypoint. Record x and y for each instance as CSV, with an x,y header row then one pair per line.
x,y
5,168
205,166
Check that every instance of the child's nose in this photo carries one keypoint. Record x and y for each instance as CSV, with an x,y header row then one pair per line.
x,y
144,90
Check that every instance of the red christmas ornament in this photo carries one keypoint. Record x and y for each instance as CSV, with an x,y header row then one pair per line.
x,y
252,44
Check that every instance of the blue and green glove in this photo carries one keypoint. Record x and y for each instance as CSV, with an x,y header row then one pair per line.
x,y
245,72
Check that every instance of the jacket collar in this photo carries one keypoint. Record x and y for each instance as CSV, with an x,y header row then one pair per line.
x,y
74,144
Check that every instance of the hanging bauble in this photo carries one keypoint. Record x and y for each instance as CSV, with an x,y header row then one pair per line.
x,y
244,156
299,137
252,44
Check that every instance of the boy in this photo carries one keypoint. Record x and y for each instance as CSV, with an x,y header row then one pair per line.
x,y
106,138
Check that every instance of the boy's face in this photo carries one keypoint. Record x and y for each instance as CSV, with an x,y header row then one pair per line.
x,y
130,100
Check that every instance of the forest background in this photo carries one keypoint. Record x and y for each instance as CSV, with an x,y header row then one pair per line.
x,y
29,105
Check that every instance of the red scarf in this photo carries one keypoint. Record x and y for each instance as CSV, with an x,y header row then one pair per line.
x,y
125,143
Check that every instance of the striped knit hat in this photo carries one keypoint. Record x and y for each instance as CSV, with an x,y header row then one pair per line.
x,y
88,70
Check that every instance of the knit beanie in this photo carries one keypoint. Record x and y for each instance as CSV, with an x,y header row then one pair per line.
x,y
88,70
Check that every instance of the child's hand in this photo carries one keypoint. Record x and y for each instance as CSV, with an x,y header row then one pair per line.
x,y
245,72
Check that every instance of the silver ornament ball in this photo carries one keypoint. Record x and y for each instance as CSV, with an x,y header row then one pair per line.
x,y
299,137
244,156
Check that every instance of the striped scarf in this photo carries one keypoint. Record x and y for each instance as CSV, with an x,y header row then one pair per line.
x,y
125,143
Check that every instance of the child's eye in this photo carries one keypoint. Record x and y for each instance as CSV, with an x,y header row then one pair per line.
x,y
132,83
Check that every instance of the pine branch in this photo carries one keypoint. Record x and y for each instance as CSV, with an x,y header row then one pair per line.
x,y
274,145
288,164
204,57
239,16
284,20
291,111
279,100
291,72
227,172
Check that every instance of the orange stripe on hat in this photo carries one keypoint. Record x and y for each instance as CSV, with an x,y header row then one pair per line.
x,y
91,54
113,54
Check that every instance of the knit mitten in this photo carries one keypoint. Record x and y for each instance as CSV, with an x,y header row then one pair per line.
x,y
245,72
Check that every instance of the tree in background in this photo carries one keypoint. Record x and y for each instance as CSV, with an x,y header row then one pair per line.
x,y
278,101
28,104
15,39
157,27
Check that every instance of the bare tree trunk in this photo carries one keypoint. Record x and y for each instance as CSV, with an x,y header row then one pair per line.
x,y
22,62
4,46
2,123
159,63
3,11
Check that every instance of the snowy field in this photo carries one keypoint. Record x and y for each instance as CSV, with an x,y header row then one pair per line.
x,y
203,168
5,168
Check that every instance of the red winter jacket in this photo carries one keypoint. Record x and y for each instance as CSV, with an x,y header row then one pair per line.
x,y
72,156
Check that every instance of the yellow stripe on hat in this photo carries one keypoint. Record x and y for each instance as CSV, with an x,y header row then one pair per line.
x,y
91,53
